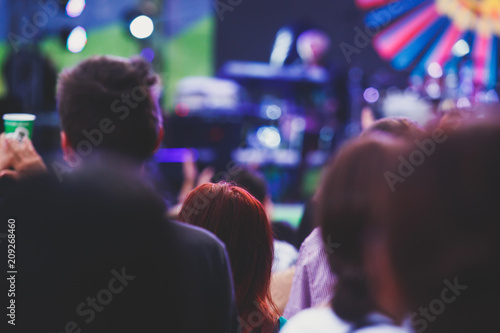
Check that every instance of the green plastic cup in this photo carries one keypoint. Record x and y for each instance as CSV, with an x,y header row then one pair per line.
x,y
19,125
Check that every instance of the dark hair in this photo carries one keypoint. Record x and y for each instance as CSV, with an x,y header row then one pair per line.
x,y
110,103
239,220
250,180
443,225
345,204
396,126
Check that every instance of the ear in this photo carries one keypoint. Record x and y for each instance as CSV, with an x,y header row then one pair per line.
x,y
65,146
159,140
268,206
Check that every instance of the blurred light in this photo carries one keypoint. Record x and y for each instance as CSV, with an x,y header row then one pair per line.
x,y
312,45
447,105
433,90
269,136
148,54
480,97
273,112
298,124
326,133
182,109
142,27
460,48
492,96
176,155
451,80
281,47
371,95
463,103
467,87
74,8
77,40
435,71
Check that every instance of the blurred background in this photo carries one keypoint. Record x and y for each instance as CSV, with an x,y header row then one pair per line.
x,y
274,86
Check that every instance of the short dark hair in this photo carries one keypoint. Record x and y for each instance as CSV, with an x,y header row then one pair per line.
x,y
396,126
110,103
250,180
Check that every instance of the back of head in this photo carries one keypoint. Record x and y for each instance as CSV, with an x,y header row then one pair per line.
x,y
110,103
345,205
250,180
239,220
396,126
443,234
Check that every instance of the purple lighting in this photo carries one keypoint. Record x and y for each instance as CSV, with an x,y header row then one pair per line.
x,y
175,155
371,95
148,54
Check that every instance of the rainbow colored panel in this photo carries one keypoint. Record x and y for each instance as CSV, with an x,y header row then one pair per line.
x,y
419,33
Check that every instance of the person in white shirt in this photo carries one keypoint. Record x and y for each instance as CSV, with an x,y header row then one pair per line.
x,y
344,208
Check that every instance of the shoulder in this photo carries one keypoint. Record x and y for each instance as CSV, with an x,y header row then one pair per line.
x,y
312,251
315,320
324,320
194,234
285,247
313,243
196,241
383,329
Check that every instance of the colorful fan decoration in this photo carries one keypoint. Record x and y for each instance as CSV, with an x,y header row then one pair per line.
x,y
429,36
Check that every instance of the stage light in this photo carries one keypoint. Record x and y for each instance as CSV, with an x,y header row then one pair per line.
x,y
281,48
435,71
148,54
371,95
433,90
298,124
182,109
142,27
273,112
460,48
326,133
492,96
269,136
176,155
77,40
463,103
74,8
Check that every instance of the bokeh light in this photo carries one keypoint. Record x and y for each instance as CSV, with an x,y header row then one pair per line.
x,y
142,27
74,8
77,40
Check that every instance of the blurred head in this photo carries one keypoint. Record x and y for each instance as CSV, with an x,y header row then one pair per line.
x,y
438,236
111,104
345,203
312,45
238,219
254,183
396,126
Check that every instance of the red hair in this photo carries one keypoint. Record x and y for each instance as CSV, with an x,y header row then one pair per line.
x,y
239,220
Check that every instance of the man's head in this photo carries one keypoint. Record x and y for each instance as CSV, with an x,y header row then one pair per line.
x,y
396,126
111,104
254,183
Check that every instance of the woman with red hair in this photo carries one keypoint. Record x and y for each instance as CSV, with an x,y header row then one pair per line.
x,y
239,220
